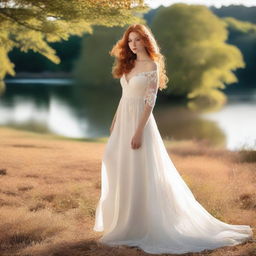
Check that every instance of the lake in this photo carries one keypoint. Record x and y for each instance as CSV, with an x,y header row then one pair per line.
x,y
57,106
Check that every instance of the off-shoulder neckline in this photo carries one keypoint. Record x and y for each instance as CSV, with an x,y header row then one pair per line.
x,y
138,74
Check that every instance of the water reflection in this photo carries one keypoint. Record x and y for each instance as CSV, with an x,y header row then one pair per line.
x,y
57,109
177,122
81,112
238,122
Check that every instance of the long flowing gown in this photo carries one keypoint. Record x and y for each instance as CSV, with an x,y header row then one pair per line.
x,y
144,201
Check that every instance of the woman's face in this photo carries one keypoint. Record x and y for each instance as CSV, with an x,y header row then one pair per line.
x,y
135,42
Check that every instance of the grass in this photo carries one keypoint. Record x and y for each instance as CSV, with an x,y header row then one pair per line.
x,y
49,188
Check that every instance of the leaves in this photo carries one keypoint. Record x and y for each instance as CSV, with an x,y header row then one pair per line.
x,y
242,26
31,25
199,60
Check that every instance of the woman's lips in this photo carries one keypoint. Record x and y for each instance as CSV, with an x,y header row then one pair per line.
x,y
134,49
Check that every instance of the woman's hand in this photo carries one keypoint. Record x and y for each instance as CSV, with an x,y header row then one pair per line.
x,y
136,140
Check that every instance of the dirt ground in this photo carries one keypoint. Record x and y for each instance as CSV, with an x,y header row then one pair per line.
x,y
49,188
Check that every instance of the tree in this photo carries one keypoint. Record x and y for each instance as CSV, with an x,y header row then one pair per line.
x,y
94,51
242,26
31,25
199,61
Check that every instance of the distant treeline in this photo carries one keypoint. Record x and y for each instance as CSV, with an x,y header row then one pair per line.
x,y
68,52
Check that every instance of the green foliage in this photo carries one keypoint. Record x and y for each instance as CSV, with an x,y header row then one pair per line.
x,y
31,25
2,87
242,33
67,51
242,26
94,66
199,61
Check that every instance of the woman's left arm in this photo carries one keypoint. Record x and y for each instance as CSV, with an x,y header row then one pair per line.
x,y
150,100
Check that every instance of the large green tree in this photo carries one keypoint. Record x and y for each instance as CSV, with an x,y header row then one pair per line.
x,y
199,61
94,65
31,25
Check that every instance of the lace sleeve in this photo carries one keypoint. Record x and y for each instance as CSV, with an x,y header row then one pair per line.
x,y
152,88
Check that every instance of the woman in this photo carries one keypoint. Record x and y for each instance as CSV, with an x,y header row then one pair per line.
x,y
144,201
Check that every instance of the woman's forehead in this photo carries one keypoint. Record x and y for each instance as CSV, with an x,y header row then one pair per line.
x,y
133,35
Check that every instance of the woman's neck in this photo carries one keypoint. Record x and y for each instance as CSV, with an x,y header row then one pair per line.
x,y
143,57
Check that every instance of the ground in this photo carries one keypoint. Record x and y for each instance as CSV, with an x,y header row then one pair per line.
x,y
50,185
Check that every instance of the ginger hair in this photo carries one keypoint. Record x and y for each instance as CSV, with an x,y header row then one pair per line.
x,y
125,58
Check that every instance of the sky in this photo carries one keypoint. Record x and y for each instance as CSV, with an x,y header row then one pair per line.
x,y
216,3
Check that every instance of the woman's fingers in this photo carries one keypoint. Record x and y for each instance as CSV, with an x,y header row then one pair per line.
x,y
134,144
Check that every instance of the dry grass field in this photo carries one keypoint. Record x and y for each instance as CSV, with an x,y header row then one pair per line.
x,y
49,188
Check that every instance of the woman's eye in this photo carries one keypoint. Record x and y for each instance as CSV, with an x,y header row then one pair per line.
x,y
129,41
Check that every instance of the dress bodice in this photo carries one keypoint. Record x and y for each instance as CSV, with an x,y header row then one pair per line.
x,y
137,84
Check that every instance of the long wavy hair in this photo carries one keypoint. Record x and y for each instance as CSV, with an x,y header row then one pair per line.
x,y
125,58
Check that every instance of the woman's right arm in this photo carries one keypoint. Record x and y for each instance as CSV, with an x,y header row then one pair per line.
x,y
113,122
114,118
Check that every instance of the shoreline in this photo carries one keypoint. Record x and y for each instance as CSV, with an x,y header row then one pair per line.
x,y
42,75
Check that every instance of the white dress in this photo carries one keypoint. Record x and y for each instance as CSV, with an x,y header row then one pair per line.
x,y
144,201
